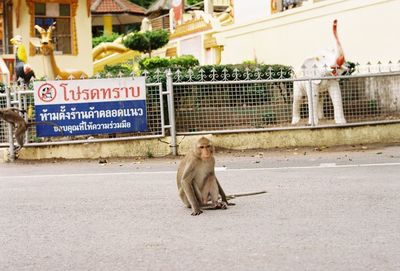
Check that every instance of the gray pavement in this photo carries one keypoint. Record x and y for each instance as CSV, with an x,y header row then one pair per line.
x,y
326,209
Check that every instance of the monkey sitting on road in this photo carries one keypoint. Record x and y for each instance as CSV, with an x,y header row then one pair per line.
x,y
196,179
11,115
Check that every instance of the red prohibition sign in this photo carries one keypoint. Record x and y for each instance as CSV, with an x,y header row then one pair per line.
x,y
47,92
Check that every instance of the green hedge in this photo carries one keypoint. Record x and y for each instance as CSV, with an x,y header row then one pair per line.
x,y
181,62
191,71
109,38
115,70
224,73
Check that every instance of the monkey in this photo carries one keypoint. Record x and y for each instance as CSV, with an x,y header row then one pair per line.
x,y
196,179
11,115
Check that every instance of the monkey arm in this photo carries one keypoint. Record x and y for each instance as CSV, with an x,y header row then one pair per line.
x,y
11,115
17,110
221,191
187,183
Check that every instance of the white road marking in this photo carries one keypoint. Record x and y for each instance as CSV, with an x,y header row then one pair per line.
x,y
327,165
322,165
218,169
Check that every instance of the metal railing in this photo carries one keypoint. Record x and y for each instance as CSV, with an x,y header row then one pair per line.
x,y
247,101
250,101
22,98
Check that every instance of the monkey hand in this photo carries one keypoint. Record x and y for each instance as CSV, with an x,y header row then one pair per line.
x,y
197,211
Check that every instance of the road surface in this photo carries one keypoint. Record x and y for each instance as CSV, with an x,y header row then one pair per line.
x,y
325,209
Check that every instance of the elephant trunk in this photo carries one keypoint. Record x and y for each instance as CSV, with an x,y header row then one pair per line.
x,y
340,54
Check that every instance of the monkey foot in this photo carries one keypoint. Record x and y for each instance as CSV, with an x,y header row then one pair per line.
x,y
221,205
197,212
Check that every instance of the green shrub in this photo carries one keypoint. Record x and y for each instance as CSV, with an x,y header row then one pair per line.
x,y
269,117
181,62
2,87
184,62
249,62
109,38
152,63
115,70
146,42
226,72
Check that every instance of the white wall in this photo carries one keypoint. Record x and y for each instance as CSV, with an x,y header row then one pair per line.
x,y
368,30
250,10
191,46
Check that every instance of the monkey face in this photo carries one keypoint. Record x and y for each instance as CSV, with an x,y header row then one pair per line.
x,y
205,151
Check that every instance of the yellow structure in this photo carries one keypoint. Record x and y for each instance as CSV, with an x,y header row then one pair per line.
x,y
111,56
52,70
72,41
114,14
107,19
195,36
111,53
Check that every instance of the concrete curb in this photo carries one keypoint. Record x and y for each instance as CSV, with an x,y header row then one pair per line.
x,y
329,137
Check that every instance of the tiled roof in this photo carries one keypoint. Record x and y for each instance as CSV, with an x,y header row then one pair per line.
x,y
115,6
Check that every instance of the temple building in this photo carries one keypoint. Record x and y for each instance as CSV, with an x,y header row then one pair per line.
x,y
282,31
115,16
71,36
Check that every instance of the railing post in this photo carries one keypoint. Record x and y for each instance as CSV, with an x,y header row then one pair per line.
x,y
171,112
11,151
311,106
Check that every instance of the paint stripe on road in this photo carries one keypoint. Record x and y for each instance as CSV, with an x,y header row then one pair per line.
x,y
322,165
218,169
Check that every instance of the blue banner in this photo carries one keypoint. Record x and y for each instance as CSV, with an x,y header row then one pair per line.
x,y
89,107
92,118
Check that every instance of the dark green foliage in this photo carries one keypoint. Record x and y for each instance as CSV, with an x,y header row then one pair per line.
x,y
193,2
2,87
181,62
137,41
147,41
227,72
115,70
184,62
373,107
269,117
238,72
152,63
351,67
97,40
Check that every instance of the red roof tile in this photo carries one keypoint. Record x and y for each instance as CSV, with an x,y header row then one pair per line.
x,y
115,6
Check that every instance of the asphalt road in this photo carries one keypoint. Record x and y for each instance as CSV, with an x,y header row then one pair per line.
x,y
329,209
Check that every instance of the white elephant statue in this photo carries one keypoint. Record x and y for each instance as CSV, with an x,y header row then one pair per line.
x,y
326,63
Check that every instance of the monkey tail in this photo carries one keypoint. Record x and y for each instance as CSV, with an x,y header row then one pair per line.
x,y
47,123
244,194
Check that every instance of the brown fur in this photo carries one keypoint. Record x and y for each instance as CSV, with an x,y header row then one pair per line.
x,y
11,115
196,179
